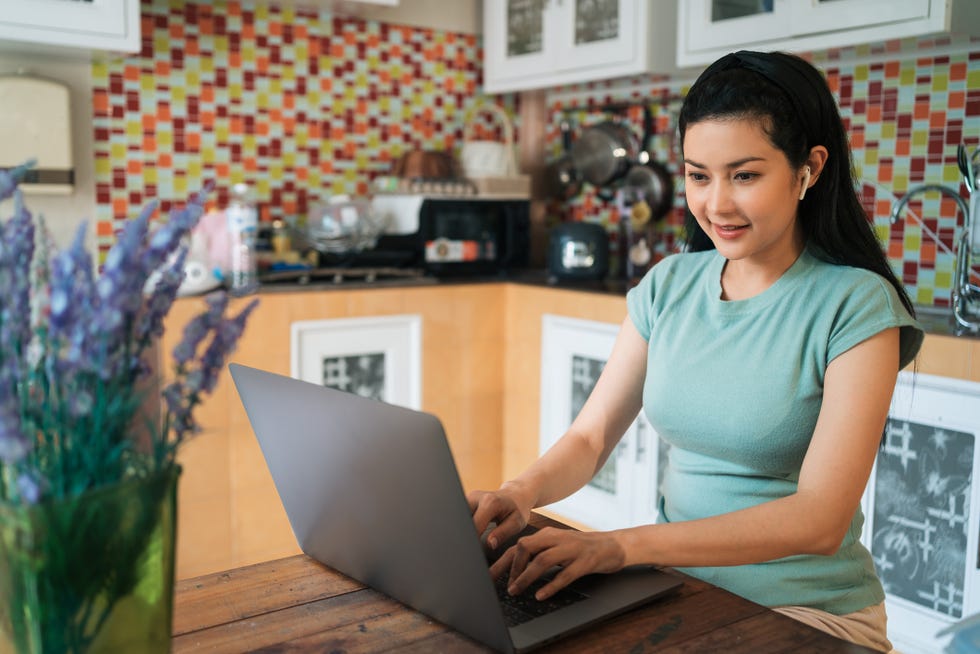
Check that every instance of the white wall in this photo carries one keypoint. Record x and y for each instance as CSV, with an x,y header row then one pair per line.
x,y
63,213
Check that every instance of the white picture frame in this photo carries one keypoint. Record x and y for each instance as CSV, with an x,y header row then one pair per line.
x,y
624,492
921,509
379,357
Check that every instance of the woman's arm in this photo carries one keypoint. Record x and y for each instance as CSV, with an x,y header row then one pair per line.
x,y
858,386
571,462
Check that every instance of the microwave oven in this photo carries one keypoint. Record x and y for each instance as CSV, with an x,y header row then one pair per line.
x,y
456,235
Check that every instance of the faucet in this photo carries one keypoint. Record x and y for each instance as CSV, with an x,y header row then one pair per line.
x,y
964,292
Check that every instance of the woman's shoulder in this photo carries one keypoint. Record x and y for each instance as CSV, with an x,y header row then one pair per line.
x,y
845,280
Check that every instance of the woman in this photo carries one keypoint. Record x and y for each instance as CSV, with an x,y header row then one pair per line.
x,y
766,357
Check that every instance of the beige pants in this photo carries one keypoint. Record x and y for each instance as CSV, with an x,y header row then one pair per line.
x,y
866,627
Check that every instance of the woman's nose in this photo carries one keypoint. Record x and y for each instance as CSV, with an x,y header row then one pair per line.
x,y
719,198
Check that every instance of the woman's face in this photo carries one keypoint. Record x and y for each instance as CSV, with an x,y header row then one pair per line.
x,y
743,191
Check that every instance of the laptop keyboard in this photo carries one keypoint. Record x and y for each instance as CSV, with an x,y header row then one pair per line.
x,y
519,609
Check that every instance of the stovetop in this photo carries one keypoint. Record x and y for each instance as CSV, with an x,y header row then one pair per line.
x,y
340,274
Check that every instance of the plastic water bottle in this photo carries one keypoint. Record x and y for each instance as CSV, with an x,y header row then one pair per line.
x,y
243,223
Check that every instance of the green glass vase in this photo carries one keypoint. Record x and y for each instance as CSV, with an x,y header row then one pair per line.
x,y
90,574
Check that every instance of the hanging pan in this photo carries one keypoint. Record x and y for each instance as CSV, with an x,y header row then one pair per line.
x,y
648,182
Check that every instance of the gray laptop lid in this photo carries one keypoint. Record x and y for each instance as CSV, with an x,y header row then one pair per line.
x,y
371,490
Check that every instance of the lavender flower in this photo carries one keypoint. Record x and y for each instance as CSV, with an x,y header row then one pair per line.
x,y
157,305
225,337
167,238
18,249
192,384
197,329
29,487
10,178
73,347
14,445
71,296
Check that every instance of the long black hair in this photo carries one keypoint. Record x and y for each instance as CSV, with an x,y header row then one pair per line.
x,y
796,109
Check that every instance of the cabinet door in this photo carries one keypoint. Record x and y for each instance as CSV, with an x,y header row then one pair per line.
x,y
516,39
596,33
921,517
716,24
92,24
808,16
573,353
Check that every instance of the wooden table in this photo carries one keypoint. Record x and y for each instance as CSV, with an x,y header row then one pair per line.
x,y
297,605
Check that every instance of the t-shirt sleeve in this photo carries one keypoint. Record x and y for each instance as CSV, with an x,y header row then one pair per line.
x,y
639,304
870,309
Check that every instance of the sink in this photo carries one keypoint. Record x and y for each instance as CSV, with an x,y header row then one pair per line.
x,y
940,320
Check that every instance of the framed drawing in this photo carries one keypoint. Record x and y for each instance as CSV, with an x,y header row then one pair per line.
x,y
624,491
921,518
377,357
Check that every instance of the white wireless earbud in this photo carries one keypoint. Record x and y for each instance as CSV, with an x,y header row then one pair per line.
x,y
806,181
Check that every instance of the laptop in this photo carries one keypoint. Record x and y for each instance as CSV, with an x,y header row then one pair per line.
x,y
371,490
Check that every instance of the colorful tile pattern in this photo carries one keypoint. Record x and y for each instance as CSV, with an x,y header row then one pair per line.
x,y
303,104
905,116
299,103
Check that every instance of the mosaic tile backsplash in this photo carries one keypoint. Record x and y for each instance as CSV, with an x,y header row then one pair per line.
x,y
299,103
304,104
905,117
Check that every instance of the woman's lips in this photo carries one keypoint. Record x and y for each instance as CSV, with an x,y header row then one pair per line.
x,y
729,231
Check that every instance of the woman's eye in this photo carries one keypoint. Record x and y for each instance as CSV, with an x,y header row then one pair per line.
x,y
695,176
745,177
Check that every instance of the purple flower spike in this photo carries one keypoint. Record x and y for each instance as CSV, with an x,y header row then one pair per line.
x,y
197,329
14,445
156,307
167,238
73,348
10,178
17,253
29,488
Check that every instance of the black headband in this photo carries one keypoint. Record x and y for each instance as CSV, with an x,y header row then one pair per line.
x,y
793,76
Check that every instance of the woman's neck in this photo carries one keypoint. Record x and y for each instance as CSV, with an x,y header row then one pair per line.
x,y
742,279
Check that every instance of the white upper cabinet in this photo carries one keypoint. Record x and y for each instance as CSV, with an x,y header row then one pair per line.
x,y
708,29
70,26
543,43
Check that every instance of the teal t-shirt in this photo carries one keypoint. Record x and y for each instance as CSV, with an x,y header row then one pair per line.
x,y
735,388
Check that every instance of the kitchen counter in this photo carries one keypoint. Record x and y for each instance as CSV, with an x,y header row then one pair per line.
x,y
934,320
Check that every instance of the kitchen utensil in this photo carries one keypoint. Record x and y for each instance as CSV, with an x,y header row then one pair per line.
x,y
650,183
578,251
966,167
483,158
603,153
563,179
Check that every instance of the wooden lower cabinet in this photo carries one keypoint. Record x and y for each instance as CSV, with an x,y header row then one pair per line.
x,y
481,375
229,512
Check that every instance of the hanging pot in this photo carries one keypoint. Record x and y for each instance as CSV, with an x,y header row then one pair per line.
x,y
653,184
603,153
563,179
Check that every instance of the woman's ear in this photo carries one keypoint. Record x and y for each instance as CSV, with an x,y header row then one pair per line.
x,y
813,167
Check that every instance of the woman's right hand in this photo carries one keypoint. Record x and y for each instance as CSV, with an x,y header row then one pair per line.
x,y
507,508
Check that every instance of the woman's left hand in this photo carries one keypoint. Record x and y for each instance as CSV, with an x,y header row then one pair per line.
x,y
578,553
